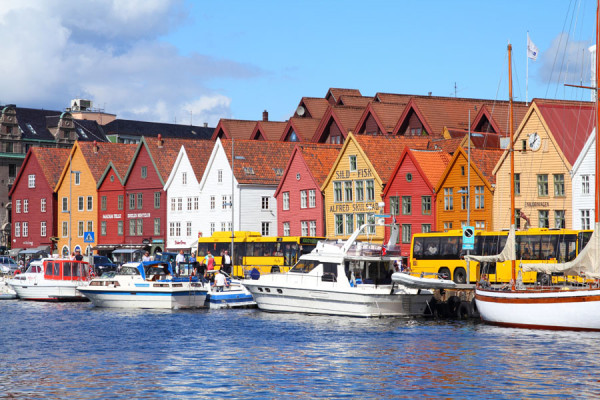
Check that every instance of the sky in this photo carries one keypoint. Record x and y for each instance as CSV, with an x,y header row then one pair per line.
x,y
195,62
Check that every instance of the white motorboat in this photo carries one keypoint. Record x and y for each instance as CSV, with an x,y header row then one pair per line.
x,y
147,284
351,278
233,294
54,280
422,282
6,292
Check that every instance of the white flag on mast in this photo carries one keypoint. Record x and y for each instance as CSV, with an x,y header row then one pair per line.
x,y
532,50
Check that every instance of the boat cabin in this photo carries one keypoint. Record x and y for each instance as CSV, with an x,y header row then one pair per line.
x,y
376,271
66,270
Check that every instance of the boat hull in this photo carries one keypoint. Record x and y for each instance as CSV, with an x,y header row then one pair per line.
x,y
234,299
48,290
355,303
541,309
163,298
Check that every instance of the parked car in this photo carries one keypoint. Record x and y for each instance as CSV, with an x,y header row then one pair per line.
x,y
8,265
103,264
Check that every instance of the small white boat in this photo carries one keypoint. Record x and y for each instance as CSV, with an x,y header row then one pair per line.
x,y
54,280
234,294
145,285
351,279
421,282
6,292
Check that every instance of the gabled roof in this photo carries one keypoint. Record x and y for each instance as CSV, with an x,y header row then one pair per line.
x,y
386,115
234,128
344,117
268,130
51,161
318,158
447,145
120,163
482,164
312,107
152,129
392,98
305,128
333,94
479,140
198,154
258,162
431,165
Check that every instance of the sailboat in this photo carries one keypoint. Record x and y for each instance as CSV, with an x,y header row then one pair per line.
x,y
553,307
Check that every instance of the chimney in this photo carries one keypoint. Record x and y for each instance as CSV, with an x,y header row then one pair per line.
x,y
265,115
160,141
206,124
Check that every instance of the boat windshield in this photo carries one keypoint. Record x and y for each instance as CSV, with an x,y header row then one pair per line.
x,y
129,271
156,270
304,266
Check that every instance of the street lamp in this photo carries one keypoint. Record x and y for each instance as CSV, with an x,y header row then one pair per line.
x,y
71,173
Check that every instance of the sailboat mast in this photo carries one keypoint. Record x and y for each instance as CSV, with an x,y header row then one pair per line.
x,y
512,159
597,180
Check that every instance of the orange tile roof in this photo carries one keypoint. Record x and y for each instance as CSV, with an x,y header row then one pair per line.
x,y
447,145
97,156
478,139
234,128
52,161
485,160
432,162
316,107
319,158
354,101
346,119
384,151
270,130
198,153
305,128
388,114
264,162
392,98
337,92
164,154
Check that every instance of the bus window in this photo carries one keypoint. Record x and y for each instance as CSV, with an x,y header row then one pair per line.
x,y
202,249
450,249
418,248
548,247
290,253
431,248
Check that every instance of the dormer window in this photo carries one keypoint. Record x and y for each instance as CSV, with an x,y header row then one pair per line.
x,y
249,170
28,125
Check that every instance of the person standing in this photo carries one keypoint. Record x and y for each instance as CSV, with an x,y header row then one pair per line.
x,y
209,260
146,256
179,260
220,282
78,255
226,262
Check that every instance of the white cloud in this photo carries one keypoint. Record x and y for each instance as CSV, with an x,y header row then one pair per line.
x,y
109,52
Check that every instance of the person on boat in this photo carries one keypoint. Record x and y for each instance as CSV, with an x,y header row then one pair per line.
x,y
78,255
180,259
146,256
226,262
220,282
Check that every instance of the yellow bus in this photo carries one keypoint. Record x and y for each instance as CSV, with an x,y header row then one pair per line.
x,y
441,252
252,250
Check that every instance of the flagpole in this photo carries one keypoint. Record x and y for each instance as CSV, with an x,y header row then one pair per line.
x,y
527,71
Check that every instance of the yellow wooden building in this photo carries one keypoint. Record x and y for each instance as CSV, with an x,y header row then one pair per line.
x,y
453,196
547,144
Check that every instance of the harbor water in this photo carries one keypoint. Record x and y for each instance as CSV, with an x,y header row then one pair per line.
x,y
77,351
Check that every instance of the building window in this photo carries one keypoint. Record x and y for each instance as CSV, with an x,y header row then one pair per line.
x,y
265,228
406,233
157,226
80,229
371,222
339,224
348,191
425,228
406,205
304,225
140,227
172,229
132,227
103,203
65,204
517,184
480,225
448,199
90,226
224,202
313,228
479,198
559,219
352,160
156,199
43,232
463,197
77,177
196,203
80,203
25,229
31,182
212,202
542,184
543,219
173,203
131,201
18,206
25,206
144,172
286,229
462,170
585,184
65,229
359,188
265,203
303,198
189,204
394,205
220,176
120,202
559,185
18,229
286,200
312,198
179,204
120,228
188,229
585,219
184,178
103,228
337,192
140,200
212,228
349,224
90,203
370,190
360,220
426,205
447,226
43,205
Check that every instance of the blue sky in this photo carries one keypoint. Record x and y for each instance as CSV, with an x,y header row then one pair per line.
x,y
199,61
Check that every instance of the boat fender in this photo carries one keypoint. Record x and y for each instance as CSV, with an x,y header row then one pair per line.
x,y
463,311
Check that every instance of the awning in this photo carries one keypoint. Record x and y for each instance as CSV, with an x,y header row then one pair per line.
x,y
126,251
106,247
14,252
28,251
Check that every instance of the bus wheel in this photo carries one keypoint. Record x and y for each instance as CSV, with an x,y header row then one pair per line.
x,y
460,276
446,272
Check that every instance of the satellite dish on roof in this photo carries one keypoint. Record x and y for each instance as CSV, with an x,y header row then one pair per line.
x,y
300,111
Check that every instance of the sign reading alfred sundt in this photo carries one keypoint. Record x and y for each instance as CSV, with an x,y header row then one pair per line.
x,y
468,240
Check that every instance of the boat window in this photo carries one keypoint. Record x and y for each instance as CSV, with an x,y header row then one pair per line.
x,y
304,266
67,269
77,269
49,268
129,271
56,269
330,268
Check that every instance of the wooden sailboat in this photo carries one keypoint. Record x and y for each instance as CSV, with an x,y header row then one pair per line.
x,y
560,307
